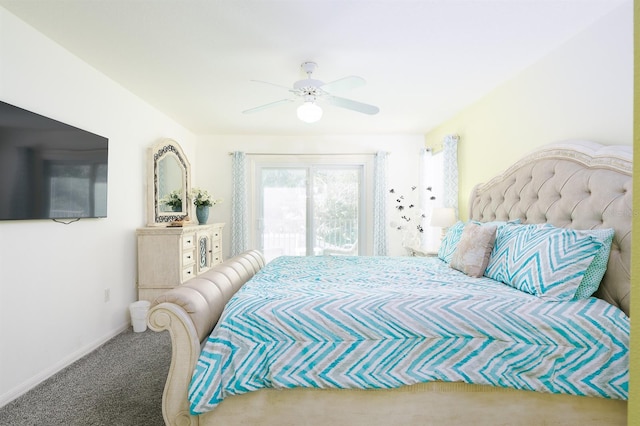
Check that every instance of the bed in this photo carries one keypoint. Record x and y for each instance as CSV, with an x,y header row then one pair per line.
x,y
572,185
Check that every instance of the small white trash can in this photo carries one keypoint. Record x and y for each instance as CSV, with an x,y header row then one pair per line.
x,y
138,312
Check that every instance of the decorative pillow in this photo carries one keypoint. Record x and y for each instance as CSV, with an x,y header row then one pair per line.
x,y
593,276
453,235
545,261
472,253
450,241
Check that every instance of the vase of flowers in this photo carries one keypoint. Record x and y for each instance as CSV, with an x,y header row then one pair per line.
x,y
203,201
173,200
202,213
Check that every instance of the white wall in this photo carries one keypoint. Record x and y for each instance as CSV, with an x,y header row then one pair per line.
x,y
581,90
53,276
214,164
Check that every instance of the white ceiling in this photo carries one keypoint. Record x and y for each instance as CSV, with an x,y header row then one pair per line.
x,y
423,60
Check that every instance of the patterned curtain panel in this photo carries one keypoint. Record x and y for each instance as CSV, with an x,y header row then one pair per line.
x,y
450,152
239,209
379,204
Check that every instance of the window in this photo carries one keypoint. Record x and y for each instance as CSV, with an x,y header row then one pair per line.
x,y
433,178
311,206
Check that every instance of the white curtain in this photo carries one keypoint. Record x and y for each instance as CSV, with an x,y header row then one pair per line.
x,y
379,204
239,209
428,184
450,152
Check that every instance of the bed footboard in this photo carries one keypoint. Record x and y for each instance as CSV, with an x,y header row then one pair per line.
x,y
190,312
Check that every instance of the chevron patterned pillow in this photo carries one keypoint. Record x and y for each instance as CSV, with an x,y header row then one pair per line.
x,y
594,273
545,261
450,241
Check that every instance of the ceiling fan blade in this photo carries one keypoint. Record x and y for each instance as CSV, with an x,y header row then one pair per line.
x,y
273,84
342,84
353,105
265,106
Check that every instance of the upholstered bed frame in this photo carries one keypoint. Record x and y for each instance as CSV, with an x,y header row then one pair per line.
x,y
581,185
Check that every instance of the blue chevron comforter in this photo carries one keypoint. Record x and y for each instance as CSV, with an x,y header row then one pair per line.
x,y
383,322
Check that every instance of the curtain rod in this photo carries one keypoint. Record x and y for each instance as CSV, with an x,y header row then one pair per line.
x,y
306,153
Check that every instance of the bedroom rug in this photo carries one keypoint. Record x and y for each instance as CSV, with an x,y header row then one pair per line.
x,y
118,384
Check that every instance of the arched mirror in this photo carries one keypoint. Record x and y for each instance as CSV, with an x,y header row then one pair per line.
x,y
169,183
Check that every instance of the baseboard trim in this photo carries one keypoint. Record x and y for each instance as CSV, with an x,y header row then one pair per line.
x,y
25,387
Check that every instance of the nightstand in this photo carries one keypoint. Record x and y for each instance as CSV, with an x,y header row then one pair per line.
x,y
414,251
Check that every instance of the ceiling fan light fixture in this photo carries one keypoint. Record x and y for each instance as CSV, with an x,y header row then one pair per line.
x,y
310,90
309,112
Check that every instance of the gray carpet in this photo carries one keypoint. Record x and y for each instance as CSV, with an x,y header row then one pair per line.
x,y
119,383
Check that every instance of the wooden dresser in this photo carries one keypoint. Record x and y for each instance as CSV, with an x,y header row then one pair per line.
x,y
169,256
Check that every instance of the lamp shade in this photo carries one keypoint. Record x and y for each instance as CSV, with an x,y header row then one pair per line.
x,y
443,217
309,112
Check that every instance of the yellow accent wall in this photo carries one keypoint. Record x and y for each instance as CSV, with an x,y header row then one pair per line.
x,y
634,391
581,90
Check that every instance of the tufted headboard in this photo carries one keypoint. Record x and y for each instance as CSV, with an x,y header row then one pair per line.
x,y
573,184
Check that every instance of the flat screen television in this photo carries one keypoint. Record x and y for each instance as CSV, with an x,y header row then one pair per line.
x,y
48,169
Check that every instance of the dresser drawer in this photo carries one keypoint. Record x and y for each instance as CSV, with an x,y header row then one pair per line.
x,y
216,257
188,272
188,257
189,241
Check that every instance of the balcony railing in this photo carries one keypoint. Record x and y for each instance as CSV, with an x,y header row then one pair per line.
x,y
287,237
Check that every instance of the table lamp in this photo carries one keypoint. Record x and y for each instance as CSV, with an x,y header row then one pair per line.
x,y
443,217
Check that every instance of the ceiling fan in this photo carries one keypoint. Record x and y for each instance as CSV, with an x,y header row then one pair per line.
x,y
311,91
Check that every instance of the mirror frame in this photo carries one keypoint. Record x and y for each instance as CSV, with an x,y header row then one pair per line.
x,y
157,152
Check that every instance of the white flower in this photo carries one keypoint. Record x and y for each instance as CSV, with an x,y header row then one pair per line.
x,y
202,198
172,199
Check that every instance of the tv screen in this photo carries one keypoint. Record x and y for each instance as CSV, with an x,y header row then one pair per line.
x,y
48,169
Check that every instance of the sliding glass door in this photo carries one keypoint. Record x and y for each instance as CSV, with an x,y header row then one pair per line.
x,y
308,209
282,218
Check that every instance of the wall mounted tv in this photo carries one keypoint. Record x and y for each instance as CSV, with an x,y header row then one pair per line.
x,y
48,169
